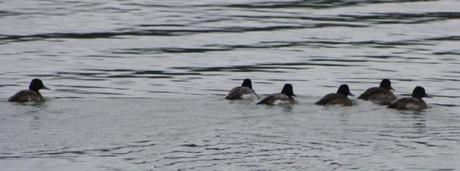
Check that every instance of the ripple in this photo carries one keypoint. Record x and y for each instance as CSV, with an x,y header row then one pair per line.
x,y
313,4
113,151
404,18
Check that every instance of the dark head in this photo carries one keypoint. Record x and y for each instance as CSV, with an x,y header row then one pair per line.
x,y
37,84
344,90
247,83
386,84
288,90
419,93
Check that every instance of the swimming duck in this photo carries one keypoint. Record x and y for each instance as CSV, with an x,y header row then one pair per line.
x,y
411,103
30,95
339,98
380,95
244,92
285,97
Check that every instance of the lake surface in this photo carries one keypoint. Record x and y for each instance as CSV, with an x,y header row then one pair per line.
x,y
139,85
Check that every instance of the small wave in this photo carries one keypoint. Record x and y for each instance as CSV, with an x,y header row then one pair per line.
x,y
403,18
65,152
314,4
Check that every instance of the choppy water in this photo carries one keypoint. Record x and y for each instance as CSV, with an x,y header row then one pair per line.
x,y
139,85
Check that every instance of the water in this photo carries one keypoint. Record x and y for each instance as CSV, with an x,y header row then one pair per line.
x,y
139,85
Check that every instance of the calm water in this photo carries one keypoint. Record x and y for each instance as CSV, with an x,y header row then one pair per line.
x,y
139,85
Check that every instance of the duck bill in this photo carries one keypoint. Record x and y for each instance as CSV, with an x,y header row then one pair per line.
x,y
46,88
428,96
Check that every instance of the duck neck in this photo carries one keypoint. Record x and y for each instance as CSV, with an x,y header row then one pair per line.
x,y
343,94
34,89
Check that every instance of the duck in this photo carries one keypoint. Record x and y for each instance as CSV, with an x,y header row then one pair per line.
x,y
30,95
339,98
285,97
411,103
380,95
243,92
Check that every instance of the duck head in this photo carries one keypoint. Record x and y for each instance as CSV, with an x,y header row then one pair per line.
x,y
247,83
344,90
288,90
386,84
36,85
419,93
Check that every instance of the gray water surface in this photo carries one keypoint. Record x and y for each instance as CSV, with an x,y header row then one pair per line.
x,y
139,85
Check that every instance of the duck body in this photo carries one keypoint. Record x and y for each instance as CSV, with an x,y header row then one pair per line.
x,y
243,92
283,98
335,99
380,95
339,98
277,99
26,96
408,103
